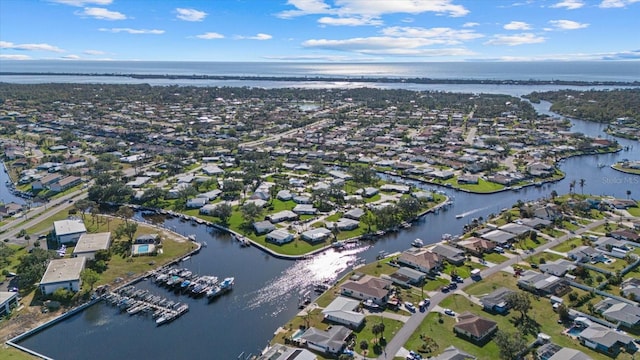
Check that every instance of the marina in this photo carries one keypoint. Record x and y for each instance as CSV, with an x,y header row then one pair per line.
x,y
134,301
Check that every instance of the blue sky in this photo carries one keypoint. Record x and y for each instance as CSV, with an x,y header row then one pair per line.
x,y
320,30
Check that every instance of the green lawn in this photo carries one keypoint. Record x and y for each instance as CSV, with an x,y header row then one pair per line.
x,y
12,260
47,224
483,186
11,353
568,245
391,327
495,258
464,271
635,211
547,256
493,282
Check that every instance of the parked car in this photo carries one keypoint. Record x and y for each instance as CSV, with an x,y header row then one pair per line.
x,y
449,312
410,306
13,289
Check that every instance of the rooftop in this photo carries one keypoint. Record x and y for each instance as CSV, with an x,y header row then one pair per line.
x,y
93,242
69,226
60,270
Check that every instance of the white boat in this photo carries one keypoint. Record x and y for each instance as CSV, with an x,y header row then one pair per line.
x,y
459,216
417,243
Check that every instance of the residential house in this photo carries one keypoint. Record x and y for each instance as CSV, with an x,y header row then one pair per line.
x,y
212,170
368,192
449,253
46,182
344,311
8,301
354,214
148,239
423,195
406,277
535,223
631,288
284,352
281,216
68,231
606,340
263,227
257,202
9,209
548,212
402,189
476,246
66,183
331,341
516,229
499,237
305,209
453,353
343,224
496,301
421,259
89,244
315,236
210,195
584,254
619,312
558,267
279,236
62,273
284,195
475,328
196,203
551,351
625,235
542,284
367,287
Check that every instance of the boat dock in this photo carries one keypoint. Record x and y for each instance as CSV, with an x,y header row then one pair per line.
x,y
135,301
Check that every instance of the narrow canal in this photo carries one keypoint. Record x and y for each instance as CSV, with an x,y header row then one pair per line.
x,y
267,289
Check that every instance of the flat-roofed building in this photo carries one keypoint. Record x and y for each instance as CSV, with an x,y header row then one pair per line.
x,y
62,273
68,231
8,301
89,244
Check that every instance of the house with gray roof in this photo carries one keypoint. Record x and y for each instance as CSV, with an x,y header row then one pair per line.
x,y
355,214
196,203
586,254
606,340
406,277
496,301
284,195
619,312
449,253
343,224
343,311
453,353
551,351
535,223
558,267
631,288
499,237
279,236
330,341
8,301
542,284
305,209
316,235
68,231
284,215
515,229
89,244
263,227
284,352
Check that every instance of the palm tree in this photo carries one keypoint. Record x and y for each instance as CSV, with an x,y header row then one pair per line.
x,y
572,186
582,182
628,194
554,195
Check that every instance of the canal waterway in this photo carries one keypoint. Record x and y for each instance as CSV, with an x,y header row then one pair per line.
x,y
267,289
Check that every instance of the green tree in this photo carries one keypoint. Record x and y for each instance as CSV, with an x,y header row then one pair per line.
x,y
378,330
32,266
126,230
90,277
223,212
250,212
125,213
582,183
511,345
153,196
519,301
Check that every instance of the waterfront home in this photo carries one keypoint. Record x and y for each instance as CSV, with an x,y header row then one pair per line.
x,y
619,312
606,340
453,353
584,254
210,195
62,273
343,224
516,229
8,301
10,209
366,287
46,181
331,341
452,255
496,301
630,288
89,244
284,352
420,259
476,246
68,231
315,236
284,215
344,311
498,237
279,236
423,195
558,267
196,203
475,328
263,227
535,223
548,212
147,239
542,284
403,189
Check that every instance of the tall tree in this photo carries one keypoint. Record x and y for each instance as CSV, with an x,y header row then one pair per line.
x,y
582,182
90,277
520,301
511,345
572,186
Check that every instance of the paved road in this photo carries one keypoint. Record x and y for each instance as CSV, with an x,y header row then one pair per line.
x,y
394,346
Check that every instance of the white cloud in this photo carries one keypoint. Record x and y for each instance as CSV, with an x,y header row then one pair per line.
x,y
568,4
439,35
373,9
210,35
94,52
349,21
259,36
514,40
616,3
14,57
622,55
190,14
29,47
517,25
71,57
567,24
81,3
384,45
102,14
470,24
338,58
133,31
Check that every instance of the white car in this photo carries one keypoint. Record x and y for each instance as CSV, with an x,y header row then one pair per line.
x,y
449,312
410,306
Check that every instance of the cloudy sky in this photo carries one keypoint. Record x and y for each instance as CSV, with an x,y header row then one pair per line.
x,y
320,30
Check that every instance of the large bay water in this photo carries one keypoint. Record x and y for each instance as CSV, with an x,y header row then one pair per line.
x,y
267,289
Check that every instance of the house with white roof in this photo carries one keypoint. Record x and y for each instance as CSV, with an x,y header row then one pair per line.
x,y
89,244
68,231
63,273
343,311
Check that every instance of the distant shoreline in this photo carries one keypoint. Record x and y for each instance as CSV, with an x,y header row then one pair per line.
x,y
362,79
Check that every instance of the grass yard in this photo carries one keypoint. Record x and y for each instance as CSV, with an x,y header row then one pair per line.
x,y
464,271
391,327
47,224
495,258
483,186
635,211
10,353
11,262
547,256
493,282
568,245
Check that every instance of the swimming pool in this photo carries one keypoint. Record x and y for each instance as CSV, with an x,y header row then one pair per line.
x,y
575,331
142,249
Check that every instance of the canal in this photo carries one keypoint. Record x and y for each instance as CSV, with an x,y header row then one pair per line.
x,y
267,289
